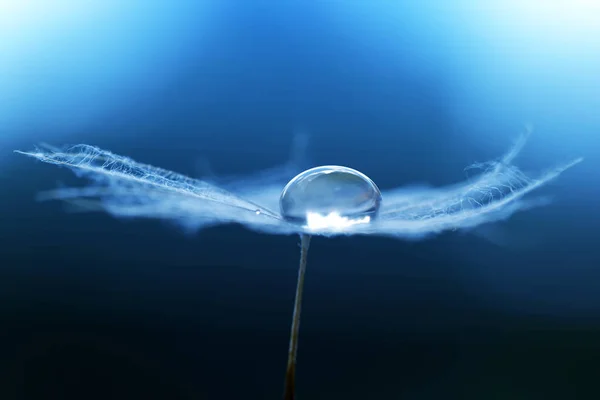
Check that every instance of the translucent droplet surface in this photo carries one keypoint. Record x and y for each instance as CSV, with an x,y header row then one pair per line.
x,y
330,197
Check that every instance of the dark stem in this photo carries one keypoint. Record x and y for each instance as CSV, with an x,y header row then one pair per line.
x,y
290,375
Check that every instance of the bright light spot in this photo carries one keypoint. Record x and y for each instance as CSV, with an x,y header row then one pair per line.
x,y
573,15
66,65
552,22
23,17
332,221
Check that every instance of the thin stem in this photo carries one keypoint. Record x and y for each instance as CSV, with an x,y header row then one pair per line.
x,y
290,375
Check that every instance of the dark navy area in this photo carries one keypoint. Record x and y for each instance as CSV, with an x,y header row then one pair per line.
x,y
93,307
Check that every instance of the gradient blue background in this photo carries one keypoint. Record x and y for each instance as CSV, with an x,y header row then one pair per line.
x,y
92,307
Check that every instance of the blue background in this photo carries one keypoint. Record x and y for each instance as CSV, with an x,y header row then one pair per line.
x,y
92,307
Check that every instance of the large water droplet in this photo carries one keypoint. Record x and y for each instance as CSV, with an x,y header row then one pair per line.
x,y
330,193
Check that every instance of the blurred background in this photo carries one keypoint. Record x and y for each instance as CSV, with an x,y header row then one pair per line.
x,y
406,92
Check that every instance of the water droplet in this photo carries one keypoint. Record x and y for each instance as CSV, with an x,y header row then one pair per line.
x,y
330,194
